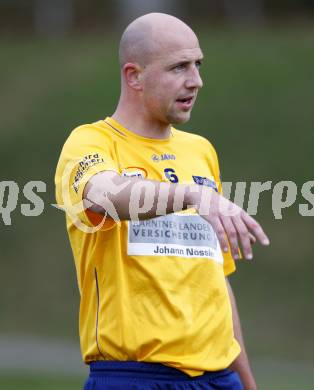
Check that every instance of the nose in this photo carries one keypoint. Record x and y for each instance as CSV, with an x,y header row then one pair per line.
x,y
194,79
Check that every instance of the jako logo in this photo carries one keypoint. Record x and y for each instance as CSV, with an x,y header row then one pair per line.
x,y
162,157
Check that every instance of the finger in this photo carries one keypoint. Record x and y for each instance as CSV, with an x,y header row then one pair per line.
x,y
231,235
255,228
244,237
252,238
221,234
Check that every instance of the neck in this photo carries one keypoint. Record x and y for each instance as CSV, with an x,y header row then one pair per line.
x,y
136,120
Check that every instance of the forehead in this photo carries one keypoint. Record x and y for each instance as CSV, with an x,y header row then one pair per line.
x,y
175,47
183,55
172,55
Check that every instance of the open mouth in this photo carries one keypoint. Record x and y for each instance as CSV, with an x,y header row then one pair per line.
x,y
186,102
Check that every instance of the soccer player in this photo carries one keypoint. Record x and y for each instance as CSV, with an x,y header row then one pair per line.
x,y
155,241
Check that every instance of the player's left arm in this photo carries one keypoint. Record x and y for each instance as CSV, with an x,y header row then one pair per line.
x,y
241,364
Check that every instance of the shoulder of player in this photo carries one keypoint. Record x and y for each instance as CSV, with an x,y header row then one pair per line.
x,y
195,138
94,128
90,131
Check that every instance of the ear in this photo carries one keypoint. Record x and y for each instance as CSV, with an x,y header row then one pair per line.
x,y
132,74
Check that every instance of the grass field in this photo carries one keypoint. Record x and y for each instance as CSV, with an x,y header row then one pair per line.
x,y
256,107
27,382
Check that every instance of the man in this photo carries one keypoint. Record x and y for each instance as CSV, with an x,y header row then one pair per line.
x,y
157,311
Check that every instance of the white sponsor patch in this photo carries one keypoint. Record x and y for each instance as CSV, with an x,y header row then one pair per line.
x,y
178,235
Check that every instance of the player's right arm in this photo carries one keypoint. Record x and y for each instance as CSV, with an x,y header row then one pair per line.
x,y
126,198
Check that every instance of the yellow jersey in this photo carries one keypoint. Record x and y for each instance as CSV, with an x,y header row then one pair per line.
x,y
152,290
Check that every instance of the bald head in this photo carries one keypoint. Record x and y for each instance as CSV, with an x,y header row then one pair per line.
x,y
146,36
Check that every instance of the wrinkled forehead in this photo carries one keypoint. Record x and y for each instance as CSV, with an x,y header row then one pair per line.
x,y
173,54
178,46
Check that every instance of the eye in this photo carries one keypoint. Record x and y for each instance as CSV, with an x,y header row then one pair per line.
x,y
198,64
179,67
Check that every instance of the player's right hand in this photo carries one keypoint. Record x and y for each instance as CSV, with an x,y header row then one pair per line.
x,y
231,223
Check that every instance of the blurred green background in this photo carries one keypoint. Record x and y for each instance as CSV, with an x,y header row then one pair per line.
x,y
257,109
